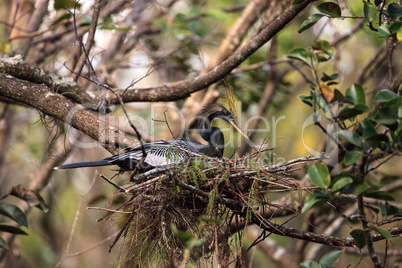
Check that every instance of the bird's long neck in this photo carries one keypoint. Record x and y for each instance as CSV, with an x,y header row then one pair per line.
x,y
216,142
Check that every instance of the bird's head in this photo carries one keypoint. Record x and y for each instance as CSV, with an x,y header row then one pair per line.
x,y
216,111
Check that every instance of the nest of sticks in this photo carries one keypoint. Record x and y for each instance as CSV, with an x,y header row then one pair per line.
x,y
179,214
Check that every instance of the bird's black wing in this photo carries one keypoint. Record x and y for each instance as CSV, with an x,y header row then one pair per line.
x,y
161,153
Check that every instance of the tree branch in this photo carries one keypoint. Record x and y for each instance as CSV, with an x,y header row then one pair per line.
x,y
317,238
58,106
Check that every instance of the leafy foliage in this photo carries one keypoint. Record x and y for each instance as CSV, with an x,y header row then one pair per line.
x,y
367,131
17,216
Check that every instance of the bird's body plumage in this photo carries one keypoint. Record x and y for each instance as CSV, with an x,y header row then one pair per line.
x,y
172,152
161,153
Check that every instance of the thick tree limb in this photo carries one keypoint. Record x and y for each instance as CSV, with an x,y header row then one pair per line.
x,y
317,238
62,108
18,68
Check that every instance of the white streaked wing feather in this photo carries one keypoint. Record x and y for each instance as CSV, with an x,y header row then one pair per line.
x,y
160,153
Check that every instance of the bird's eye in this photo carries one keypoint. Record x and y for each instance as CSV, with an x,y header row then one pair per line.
x,y
230,117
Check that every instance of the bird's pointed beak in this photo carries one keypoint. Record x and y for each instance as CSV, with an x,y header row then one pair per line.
x,y
236,126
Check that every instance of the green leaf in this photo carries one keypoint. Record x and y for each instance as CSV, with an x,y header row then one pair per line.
x,y
63,4
330,257
384,30
312,200
198,243
396,104
374,142
182,235
66,17
386,115
388,210
367,129
360,238
3,244
376,210
385,95
394,11
86,21
319,175
330,9
14,213
395,28
399,214
370,10
38,201
309,264
339,96
11,229
378,2
313,19
355,95
351,137
325,47
194,178
362,108
180,17
347,112
360,188
380,195
307,100
341,183
322,103
384,232
304,56
108,27
326,77
352,157
32,197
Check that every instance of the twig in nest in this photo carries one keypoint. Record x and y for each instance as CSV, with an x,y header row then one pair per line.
x,y
122,189
145,175
124,229
136,187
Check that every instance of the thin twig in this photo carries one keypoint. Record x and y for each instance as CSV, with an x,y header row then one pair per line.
x,y
382,162
90,41
78,253
369,240
110,210
112,183
167,123
77,214
340,145
70,238
125,227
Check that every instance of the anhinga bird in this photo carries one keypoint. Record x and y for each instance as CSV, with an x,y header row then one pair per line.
x,y
163,153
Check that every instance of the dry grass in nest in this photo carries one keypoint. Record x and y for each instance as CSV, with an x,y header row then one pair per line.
x,y
180,214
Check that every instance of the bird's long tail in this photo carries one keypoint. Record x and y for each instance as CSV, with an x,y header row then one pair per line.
x,y
85,164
